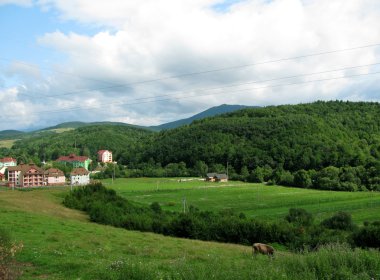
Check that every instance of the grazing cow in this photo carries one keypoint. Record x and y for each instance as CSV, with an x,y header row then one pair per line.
x,y
262,249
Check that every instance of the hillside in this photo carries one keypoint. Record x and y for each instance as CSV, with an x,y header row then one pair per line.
x,y
306,136
10,134
214,111
122,140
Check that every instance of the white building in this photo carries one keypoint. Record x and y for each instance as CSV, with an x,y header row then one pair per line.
x,y
79,176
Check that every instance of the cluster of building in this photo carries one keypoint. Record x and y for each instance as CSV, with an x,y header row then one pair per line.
x,y
30,175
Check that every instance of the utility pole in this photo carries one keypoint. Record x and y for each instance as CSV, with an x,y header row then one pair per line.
x,y
184,204
227,169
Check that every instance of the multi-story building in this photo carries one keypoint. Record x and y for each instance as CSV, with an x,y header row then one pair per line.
x,y
26,175
104,156
75,161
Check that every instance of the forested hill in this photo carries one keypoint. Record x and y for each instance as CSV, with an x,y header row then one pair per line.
x,y
306,136
124,141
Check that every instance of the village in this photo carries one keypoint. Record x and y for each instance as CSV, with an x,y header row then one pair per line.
x,y
30,175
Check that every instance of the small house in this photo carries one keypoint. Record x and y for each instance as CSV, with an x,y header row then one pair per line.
x,y
79,177
54,177
216,177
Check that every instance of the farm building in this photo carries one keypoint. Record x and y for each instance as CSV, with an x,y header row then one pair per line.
x,y
215,177
79,176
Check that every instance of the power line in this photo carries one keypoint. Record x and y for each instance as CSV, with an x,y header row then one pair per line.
x,y
208,71
232,85
187,97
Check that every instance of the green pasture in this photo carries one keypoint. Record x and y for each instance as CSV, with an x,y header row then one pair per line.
x,y
61,243
255,200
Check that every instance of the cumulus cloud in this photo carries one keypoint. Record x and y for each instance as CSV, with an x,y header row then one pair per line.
x,y
122,68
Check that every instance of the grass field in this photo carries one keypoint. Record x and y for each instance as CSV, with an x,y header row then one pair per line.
x,y
7,143
255,200
60,243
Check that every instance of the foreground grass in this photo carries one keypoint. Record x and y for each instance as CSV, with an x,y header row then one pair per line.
x,y
61,243
255,200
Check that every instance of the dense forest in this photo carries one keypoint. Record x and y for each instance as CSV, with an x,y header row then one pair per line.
x,y
329,145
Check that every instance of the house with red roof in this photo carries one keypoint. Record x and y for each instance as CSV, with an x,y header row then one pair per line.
x,y
75,161
104,156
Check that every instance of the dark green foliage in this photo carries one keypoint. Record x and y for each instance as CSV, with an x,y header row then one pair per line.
x,y
368,236
340,221
299,216
123,141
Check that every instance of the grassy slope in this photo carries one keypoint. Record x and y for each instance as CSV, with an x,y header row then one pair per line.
x,y
255,200
60,243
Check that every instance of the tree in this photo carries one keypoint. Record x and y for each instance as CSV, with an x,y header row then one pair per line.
x,y
200,168
302,179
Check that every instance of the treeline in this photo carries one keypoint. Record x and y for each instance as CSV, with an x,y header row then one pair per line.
x,y
125,142
296,231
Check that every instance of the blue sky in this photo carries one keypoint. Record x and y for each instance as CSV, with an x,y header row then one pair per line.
x,y
89,58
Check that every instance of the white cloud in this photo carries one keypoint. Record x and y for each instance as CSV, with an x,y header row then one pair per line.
x,y
148,40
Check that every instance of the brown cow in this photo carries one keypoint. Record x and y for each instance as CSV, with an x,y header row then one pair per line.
x,y
262,249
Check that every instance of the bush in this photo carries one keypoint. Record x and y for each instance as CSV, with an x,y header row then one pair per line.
x,y
340,221
299,217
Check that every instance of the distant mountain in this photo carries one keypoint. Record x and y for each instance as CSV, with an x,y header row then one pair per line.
x,y
214,111
10,134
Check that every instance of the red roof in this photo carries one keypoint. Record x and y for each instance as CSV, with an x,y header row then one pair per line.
x,y
73,157
102,152
8,159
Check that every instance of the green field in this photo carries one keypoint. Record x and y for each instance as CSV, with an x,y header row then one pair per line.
x,y
60,243
255,200
7,143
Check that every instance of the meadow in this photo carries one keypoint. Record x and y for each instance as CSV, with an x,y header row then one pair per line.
x,y
258,201
61,243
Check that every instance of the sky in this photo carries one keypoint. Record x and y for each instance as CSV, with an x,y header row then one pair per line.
x,y
155,61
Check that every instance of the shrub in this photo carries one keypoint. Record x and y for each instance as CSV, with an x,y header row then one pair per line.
x,y
299,217
340,221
